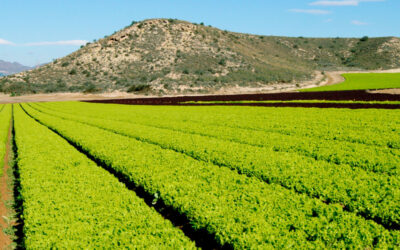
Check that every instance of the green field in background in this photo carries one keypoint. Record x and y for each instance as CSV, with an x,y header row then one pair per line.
x,y
359,81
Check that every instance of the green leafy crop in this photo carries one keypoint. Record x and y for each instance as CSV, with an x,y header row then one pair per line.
x,y
356,81
248,196
71,203
5,117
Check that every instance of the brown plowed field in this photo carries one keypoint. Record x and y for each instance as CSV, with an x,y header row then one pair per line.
x,y
304,105
353,95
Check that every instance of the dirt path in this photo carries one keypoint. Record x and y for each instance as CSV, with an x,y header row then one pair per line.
x,y
385,91
6,195
54,97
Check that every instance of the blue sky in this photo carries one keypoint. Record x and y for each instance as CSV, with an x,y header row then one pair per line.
x,y
33,32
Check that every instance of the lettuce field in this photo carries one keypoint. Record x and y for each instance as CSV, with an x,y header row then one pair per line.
x,y
181,177
354,81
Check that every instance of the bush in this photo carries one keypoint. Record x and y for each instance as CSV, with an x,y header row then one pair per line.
x,y
139,88
72,72
90,88
85,72
364,39
222,62
64,64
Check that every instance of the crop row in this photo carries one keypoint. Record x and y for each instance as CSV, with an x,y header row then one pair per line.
x,y
355,126
70,202
5,118
240,211
371,158
370,194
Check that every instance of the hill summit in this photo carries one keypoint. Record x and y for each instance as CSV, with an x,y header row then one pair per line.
x,y
168,56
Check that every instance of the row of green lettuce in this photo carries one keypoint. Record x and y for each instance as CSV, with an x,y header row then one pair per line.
x,y
240,210
372,191
71,203
5,118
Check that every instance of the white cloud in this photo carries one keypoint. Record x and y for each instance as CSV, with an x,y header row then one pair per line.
x,y
5,42
313,12
359,23
68,42
342,2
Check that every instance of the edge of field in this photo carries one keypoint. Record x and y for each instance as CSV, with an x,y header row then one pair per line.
x,y
7,212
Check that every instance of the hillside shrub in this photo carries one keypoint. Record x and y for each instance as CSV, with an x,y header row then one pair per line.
x,y
222,62
138,88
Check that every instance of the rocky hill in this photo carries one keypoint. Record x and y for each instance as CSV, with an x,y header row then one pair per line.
x,y
166,56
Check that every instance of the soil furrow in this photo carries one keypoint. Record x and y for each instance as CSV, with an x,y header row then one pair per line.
x,y
6,196
303,105
18,201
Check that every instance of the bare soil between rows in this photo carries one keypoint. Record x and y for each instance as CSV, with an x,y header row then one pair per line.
x,y
352,95
6,196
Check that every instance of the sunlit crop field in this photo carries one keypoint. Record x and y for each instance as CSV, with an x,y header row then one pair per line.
x,y
358,81
104,175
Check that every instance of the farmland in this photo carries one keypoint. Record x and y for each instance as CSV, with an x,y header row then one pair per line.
x,y
354,81
106,175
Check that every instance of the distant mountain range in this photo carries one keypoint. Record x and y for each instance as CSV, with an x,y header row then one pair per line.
x,y
8,68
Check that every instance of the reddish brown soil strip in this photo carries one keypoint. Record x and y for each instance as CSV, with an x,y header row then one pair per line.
x,y
6,195
306,105
352,95
355,95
